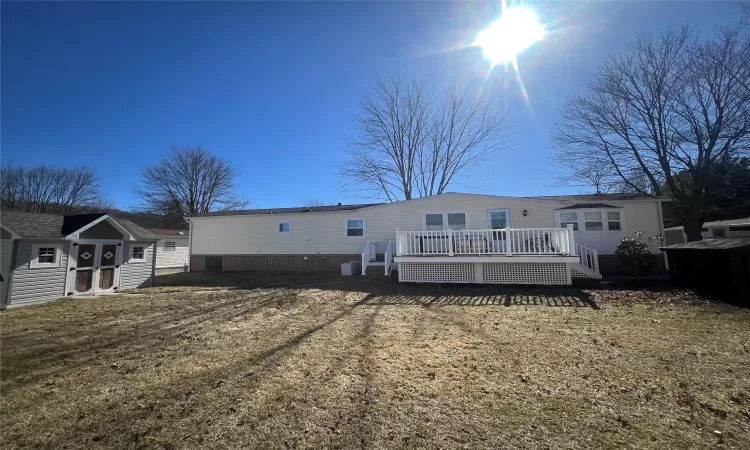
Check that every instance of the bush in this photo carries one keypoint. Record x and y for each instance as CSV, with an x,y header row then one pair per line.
x,y
635,253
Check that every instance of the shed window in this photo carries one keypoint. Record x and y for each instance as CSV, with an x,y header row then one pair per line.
x,y
138,254
355,227
45,255
740,228
719,232
169,246
569,218
593,221
285,227
613,221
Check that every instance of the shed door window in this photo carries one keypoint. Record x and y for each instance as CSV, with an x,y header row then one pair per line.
x,y
569,218
355,227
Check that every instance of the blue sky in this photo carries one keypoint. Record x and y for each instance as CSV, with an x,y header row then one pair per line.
x,y
273,86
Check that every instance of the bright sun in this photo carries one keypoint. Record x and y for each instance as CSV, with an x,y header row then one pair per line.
x,y
516,30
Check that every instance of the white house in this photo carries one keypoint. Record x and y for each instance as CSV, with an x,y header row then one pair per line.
x,y
48,256
172,250
452,237
718,229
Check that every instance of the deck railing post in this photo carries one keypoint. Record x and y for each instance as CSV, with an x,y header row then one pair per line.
x,y
508,241
450,242
571,239
596,261
398,242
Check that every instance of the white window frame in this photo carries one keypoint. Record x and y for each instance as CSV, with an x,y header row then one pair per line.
x,y
347,228
508,222
132,258
445,219
170,248
581,216
278,230
34,262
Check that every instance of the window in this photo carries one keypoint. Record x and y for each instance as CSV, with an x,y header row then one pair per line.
x,y
593,221
433,222
45,255
499,219
438,221
457,221
569,218
719,232
613,221
138,254
285,227
740,228
169,246
355,227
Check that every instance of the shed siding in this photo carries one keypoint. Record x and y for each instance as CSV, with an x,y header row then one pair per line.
x,y
40,284
137,274
176,258
325,233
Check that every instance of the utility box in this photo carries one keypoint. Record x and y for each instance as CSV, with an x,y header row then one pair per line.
x,y
351,268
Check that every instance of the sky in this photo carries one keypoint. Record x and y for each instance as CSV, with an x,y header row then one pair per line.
x,y
273,87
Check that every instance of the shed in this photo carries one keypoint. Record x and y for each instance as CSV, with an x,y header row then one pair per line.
x,y
719,266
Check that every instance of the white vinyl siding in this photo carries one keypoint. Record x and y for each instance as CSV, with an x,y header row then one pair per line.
x,y
41,283
6,253
176,258
322,232
137,274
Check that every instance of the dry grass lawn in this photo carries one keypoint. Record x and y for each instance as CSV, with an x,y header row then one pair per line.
x,y
362,366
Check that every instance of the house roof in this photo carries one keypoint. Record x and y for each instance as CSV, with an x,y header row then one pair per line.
x,y
333,208
169,232
297,210
718,223
30,225
711,244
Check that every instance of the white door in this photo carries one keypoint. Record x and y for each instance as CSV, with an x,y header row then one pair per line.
x,y
96,267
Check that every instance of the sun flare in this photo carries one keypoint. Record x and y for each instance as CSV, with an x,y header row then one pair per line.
x,y
514,31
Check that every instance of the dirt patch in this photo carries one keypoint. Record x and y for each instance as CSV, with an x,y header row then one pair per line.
x,y
416,367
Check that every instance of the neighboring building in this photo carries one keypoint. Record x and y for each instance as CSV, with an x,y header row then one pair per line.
x,y
48,256
172,251
718,229
451,237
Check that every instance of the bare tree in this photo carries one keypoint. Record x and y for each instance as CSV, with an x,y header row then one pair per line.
x,y
314,202
189,182
48,189
410,141
665,107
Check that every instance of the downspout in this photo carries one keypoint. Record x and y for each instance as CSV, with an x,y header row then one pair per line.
x,y
661,231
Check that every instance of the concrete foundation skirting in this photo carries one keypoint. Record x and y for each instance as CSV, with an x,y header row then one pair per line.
x,y
270,263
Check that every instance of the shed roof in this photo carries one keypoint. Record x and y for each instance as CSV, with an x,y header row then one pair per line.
x,y
30,225
718,223
589,205
711,244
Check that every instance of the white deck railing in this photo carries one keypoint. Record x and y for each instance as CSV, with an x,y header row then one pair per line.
x,y
506,241
389,257
588,257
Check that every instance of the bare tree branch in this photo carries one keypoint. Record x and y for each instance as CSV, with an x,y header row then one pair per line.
x,y
664,112
189,182
411,142
47,189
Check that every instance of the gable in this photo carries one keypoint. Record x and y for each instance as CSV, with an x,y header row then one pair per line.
x,y
102,230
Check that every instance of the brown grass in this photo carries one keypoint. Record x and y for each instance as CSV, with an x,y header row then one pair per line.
x,y
417,368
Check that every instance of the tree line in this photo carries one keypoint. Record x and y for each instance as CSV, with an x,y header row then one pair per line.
x,y
184,182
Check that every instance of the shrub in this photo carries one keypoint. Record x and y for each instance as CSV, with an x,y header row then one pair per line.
x,y
634,252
